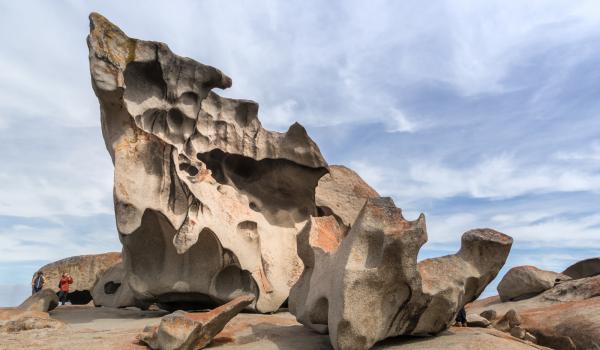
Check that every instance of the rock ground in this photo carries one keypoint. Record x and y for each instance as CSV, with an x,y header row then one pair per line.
x,y
108,328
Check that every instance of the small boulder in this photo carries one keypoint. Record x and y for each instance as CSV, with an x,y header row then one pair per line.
x,y
192,331
489,315
523,282
507,322
474,320
44,301
518,332
584,268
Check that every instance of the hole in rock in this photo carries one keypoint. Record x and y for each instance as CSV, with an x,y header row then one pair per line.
x,y
189,169
284,189
186,301
80,297
232,282
111,287
319,313
254,207
144,80
196,279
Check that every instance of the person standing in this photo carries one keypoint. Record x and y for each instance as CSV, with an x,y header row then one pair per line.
x,y
461,318
63,284
37,283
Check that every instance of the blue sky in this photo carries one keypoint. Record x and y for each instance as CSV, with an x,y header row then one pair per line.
x,y
479,114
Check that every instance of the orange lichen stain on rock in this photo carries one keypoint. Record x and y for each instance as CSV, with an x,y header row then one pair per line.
x,y
327,234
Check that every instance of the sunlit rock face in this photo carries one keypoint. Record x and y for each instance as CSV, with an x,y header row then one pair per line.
x,y
365,285
207,202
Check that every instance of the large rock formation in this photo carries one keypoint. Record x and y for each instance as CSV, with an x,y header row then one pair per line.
x,y
523,282
565,317
451,281
584,268
85,270
207,202
366,286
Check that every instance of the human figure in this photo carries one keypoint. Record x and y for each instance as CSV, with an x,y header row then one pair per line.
x,y
37,283
63,284
461,318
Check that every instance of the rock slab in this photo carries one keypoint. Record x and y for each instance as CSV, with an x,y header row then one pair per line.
x,y
192,331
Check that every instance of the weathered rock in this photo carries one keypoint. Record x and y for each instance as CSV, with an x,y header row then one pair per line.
x,y
489,315
522,282
16,320
192,331
474,320
207,202
508,321
518,332
342,193
112,289
366,286
584,268
42,301
530,338
451,281
460,339
566,316
85,270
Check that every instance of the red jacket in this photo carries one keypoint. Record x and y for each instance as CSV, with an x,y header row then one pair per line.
x,y
64,283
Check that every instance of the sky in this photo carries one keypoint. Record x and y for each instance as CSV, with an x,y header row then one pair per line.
x,y
478,114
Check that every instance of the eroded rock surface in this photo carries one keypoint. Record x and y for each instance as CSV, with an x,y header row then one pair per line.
x,y
192,331
16,320
85,270
42,301
207,202
112,289
451,281
343,193
367,286
523,282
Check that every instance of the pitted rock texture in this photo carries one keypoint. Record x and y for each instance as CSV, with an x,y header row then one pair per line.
x,y
192,331
207,202
523,282
85,270
367,286
343,193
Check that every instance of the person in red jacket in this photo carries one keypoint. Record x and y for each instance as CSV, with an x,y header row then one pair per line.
x,y
64,283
